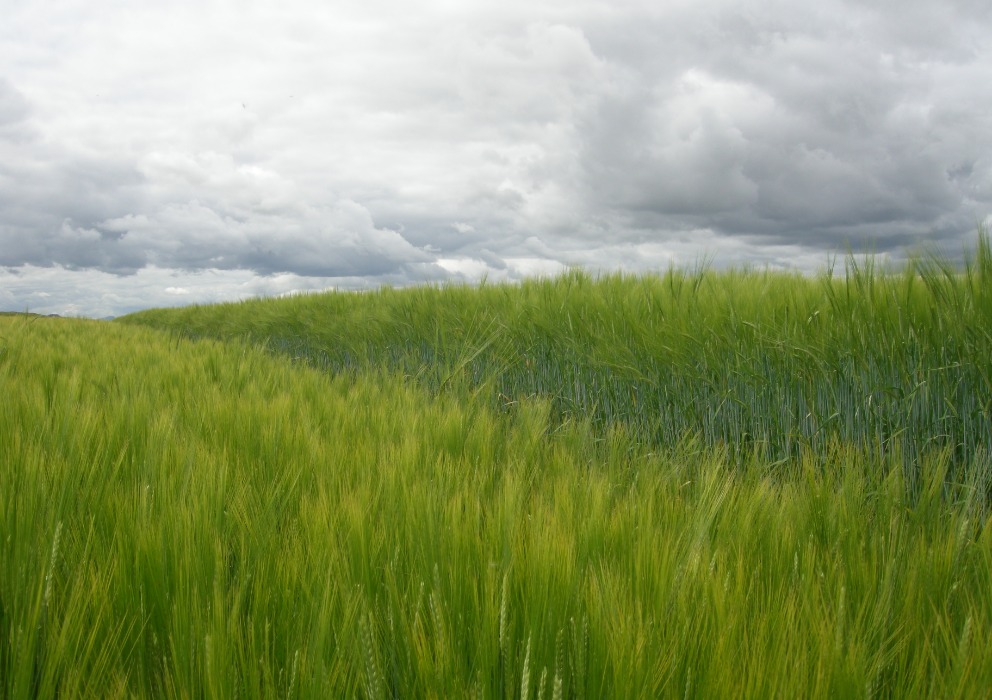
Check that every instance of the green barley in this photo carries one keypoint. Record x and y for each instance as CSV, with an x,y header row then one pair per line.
x,y
525,674
735,484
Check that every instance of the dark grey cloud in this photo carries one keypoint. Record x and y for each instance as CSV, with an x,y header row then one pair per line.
x,y
337,242
789,129
371,142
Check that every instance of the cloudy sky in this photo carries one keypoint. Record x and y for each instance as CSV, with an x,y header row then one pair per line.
x,y
199,151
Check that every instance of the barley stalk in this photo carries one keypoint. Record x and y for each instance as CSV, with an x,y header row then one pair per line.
x,y
525,676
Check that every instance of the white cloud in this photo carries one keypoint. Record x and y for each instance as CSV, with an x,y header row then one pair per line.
x,y
367,142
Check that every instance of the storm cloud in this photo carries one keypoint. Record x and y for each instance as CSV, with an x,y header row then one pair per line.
x,y
209,151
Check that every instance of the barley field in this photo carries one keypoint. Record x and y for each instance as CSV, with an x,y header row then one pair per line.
x,y
694,484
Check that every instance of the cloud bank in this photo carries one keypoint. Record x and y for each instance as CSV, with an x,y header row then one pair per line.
x,y
208,151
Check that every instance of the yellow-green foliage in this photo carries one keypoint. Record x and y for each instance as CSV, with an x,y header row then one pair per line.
x,y
201,519
764,364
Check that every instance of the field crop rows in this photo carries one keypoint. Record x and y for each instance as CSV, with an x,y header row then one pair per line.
x,y
758,363
700,484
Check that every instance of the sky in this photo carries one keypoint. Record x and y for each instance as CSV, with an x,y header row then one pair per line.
x,y
158,154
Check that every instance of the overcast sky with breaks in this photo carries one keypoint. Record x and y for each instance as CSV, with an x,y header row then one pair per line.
x,y
188,152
